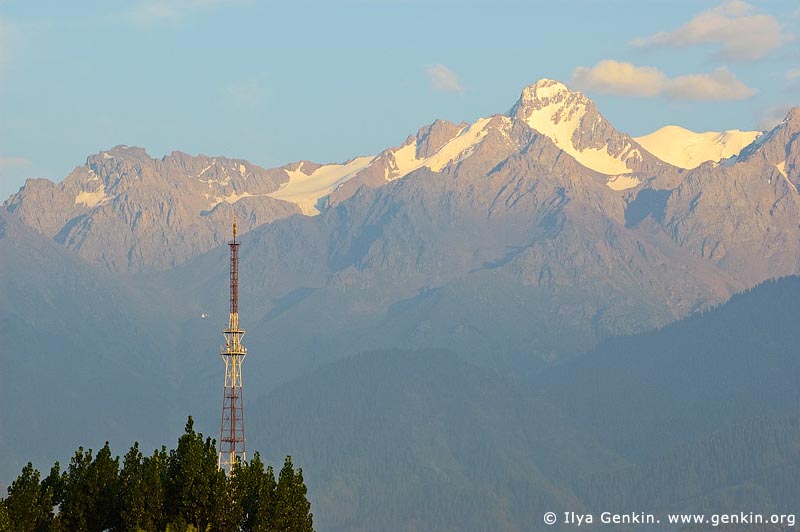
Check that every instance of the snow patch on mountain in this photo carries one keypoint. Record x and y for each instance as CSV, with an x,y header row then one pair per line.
x,y
232,198
622,182
404,160
305,190
687,149
781,167
206,169
92,199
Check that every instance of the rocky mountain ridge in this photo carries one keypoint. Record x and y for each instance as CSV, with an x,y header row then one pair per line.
x,y
456,213
126,211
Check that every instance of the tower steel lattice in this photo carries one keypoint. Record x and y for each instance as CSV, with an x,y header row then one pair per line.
x,y
231,433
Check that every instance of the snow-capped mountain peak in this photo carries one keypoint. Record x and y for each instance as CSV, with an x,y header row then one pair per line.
x,y
546,92
687,149
571,120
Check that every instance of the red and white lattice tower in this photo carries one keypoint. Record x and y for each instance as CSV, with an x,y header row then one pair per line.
x,y
231,434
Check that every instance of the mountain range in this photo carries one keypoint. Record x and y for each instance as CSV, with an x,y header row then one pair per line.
x,y
122,208
520,242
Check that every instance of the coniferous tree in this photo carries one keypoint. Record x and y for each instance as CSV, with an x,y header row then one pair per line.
x,y
133,494
266,505
5,523
239,484
29,506
103,486
254,489
225,512
183,491
155,470
76,504
54,484
90,492
293,511
193,478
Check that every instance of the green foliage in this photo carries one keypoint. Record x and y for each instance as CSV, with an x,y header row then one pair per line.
x,y
293,511
254,488
104,491
197,486
90,491
29,506
5,523
142,490
76,503
179,491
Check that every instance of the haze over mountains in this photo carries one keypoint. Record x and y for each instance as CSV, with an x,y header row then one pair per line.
x,y
518,242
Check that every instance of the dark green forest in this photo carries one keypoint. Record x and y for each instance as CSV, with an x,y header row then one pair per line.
x,y
698,416
182,490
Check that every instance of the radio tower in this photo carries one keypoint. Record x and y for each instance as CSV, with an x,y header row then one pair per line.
x,y
231,433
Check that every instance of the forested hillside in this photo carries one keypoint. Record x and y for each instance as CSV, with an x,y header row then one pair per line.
x,y
700,415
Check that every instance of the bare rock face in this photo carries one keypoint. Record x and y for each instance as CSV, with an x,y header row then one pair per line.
x,y
126,211
779,148
432,137
742,214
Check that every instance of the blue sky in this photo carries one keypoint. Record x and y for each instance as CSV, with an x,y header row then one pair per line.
x,y
274,82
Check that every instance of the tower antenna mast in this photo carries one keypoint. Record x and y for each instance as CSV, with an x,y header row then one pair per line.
x,y
231,434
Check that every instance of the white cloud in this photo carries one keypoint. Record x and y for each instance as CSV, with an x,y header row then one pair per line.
x,y
627,79
793,74
13,162
719,85
154,11
614,77
740,33
443,79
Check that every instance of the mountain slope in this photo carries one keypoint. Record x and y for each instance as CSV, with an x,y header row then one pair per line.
x,y
742,215
704,373
420,440
84,356
697,417
515,256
